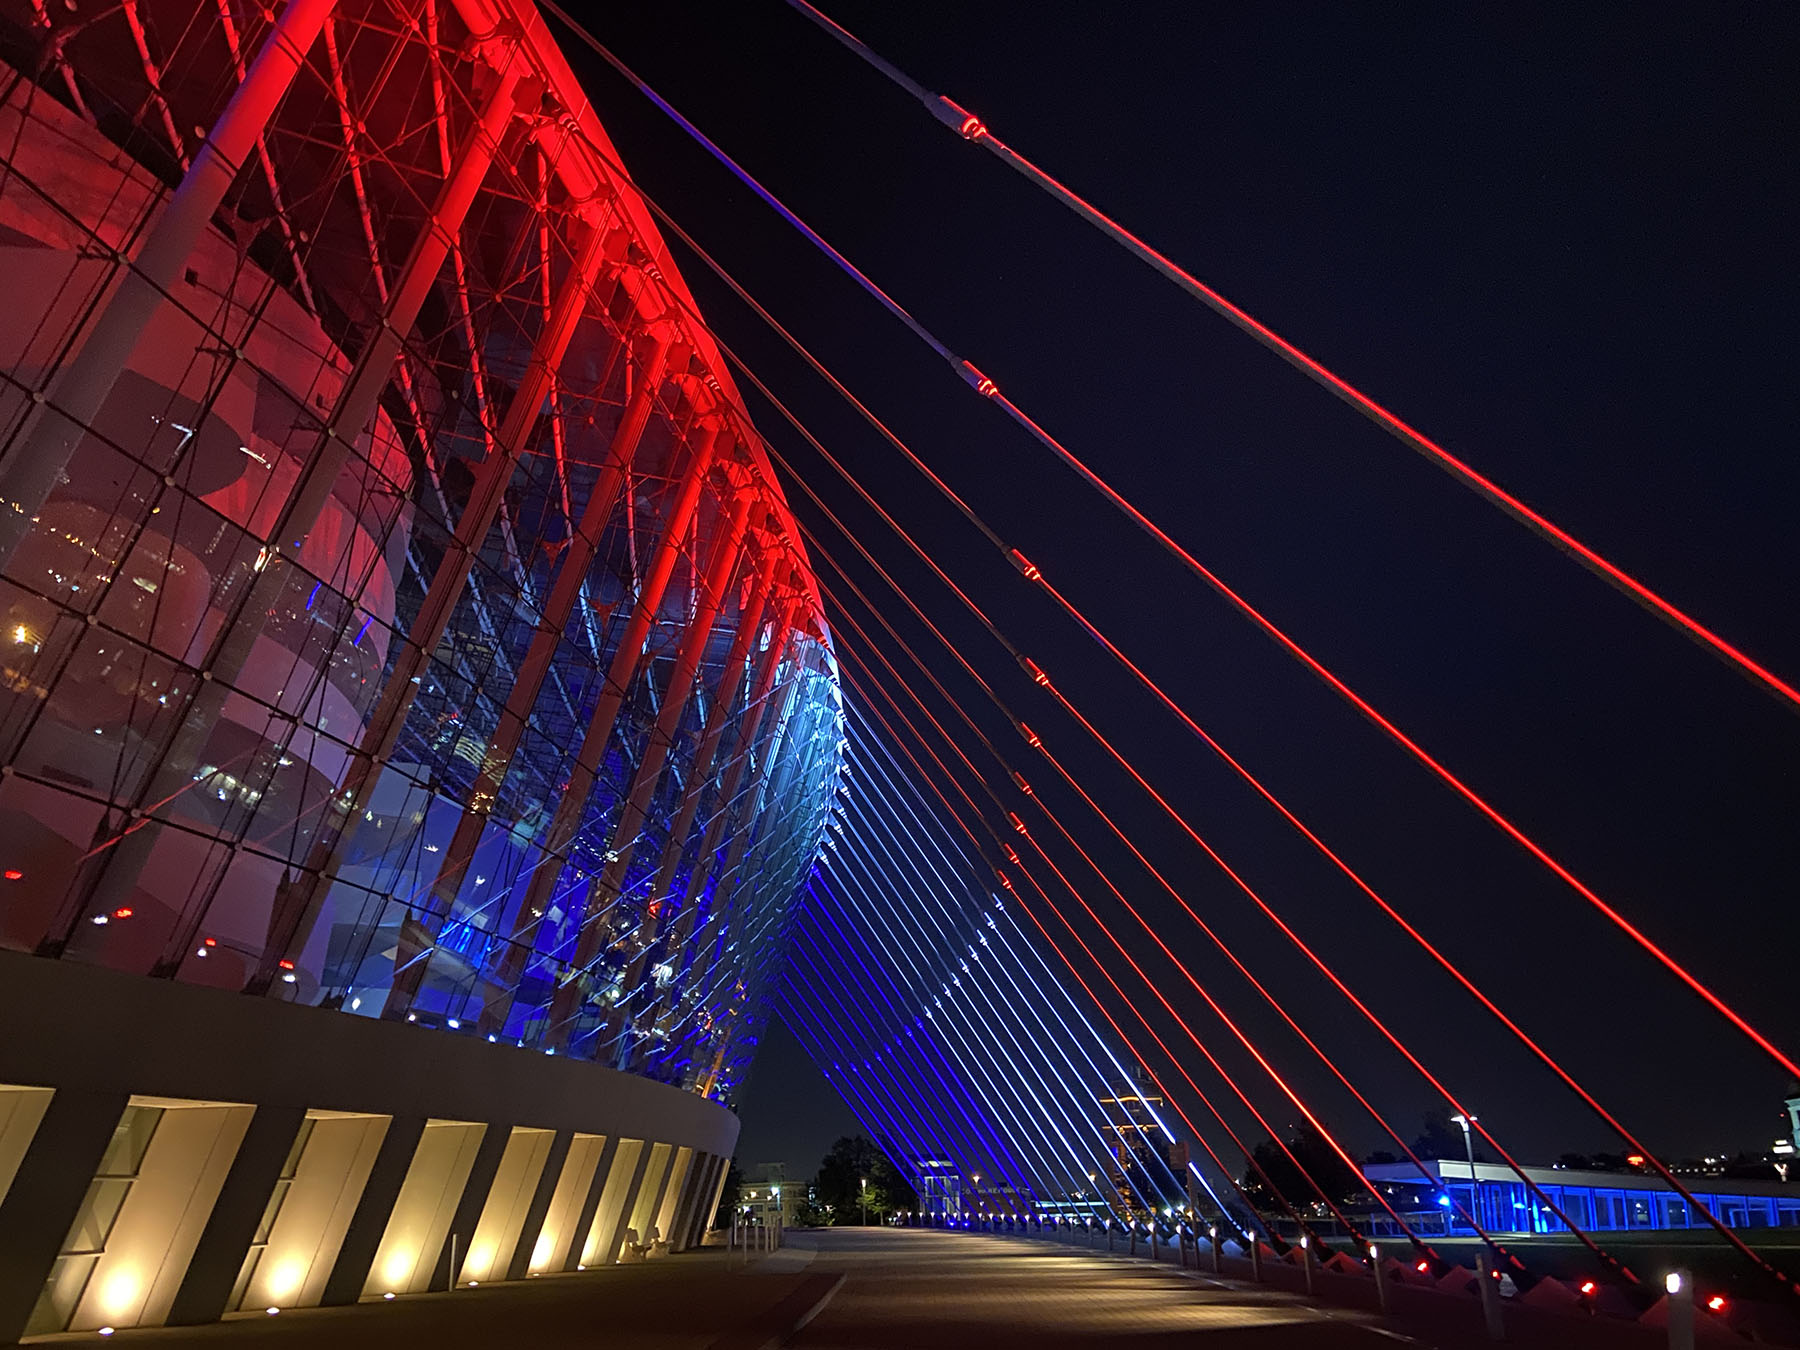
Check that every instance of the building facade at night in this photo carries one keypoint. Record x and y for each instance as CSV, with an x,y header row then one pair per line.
x,y
401,627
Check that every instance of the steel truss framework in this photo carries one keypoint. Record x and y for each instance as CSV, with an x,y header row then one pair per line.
x,y
400,614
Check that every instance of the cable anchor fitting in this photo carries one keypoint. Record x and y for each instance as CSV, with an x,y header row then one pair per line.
x,y
1032,669
1017,824
1019,782
1026,568
980,383
1031,737
958,118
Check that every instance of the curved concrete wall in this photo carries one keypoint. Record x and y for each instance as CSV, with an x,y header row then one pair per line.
x,y
295,1157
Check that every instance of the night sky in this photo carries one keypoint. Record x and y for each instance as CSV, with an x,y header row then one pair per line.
x,y
1560,239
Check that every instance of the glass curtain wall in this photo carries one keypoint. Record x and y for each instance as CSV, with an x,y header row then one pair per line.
x,y
398,610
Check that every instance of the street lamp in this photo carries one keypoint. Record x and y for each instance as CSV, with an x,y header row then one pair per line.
x,y
1469,1147
865,1201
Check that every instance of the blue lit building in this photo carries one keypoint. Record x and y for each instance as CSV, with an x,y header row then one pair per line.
x,y
1595,1201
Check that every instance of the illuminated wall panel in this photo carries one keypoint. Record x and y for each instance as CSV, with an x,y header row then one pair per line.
x,y
422,1215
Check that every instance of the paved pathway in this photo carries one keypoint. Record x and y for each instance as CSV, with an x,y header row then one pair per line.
x,y
909,1289
696,1301
902,1289
921,1290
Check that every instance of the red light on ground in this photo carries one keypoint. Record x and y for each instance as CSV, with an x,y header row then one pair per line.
x,y
1587,1286
210,942
122,912
285,965
13,874
1636,1160
1716,1303
1423,1265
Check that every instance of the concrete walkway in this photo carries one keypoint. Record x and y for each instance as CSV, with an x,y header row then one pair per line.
x,y
696,1301
909,1289
902,1289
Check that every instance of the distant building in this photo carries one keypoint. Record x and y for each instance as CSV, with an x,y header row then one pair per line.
x,y
1138,1146
768,1196
939,1186
1593,1201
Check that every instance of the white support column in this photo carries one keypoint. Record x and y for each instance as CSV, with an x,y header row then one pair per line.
x,y
116,873
43,446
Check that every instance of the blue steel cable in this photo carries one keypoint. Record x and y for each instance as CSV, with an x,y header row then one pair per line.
x,y
927,1100
969,1039
873,979
960,1050
950,778
952,1055
1009,1096
954,1088
1027,1109
847,943
805,1022
1042,1002
910,1129
905,862
807,1025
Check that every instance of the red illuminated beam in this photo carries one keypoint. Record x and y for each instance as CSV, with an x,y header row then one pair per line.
x,y
972,128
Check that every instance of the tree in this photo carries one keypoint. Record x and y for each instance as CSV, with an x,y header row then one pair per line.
x,y
1443,1138
1336,1178
839,1190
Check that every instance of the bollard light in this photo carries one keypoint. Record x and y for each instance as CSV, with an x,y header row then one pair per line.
x,y
1672,1282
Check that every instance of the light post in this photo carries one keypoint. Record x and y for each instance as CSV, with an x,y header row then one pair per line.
x,y
865,1201
1469,1148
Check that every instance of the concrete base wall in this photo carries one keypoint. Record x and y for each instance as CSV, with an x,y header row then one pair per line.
x,y
213,1060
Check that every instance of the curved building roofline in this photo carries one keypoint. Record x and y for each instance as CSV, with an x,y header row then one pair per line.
x,y
594,151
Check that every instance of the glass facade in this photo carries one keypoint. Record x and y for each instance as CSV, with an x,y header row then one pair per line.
x,y
1595,1201
399,613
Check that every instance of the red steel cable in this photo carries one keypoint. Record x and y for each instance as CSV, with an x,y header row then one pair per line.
x,y
1150,984
987,388
1124,1037
1032,573
971,128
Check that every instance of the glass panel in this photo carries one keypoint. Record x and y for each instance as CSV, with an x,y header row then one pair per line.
x,y
99,1208
276,1198
62,1291
242,1286
131,1138
292,1166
